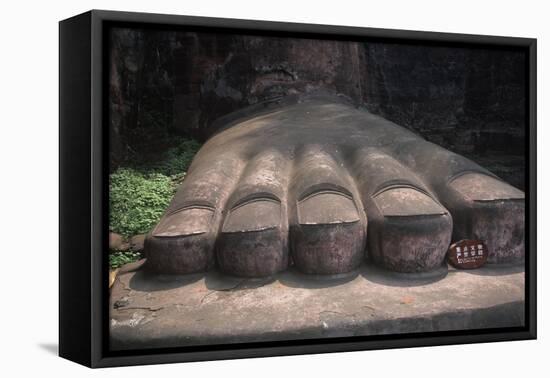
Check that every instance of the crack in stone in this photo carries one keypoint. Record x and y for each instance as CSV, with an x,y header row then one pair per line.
x,y
152,309
336,312
369,307
352,315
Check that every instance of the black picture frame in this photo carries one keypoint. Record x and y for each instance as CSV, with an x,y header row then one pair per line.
x,y
83,196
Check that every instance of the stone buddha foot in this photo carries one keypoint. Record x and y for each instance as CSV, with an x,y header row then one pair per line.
x,y
321,185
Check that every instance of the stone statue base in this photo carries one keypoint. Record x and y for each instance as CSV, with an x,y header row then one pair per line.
x,y
159,311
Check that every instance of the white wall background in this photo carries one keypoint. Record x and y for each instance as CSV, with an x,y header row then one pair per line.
x,y
29,186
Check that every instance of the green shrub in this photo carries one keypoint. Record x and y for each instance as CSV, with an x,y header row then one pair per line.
x,y
119,258
176,160
139,194
137,200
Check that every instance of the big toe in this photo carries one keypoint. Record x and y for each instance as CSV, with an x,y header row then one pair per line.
x,y
489,209
254,238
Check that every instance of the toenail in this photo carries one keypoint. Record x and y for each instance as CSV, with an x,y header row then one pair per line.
x,y
406,201
255,215
479,187
185,222
327,207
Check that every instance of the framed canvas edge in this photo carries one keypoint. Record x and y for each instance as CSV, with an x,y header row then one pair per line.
x,y
75,282
97,270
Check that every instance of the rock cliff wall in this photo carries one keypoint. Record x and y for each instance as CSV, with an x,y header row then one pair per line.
x,y
166,83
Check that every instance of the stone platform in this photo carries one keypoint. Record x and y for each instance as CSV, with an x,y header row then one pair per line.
x,y
166,311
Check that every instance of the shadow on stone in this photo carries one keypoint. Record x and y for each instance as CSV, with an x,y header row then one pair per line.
x,y
218,281
295,279
144,281
382,276
497,269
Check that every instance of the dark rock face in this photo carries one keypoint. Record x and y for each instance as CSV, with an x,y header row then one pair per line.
x,y
218,74
165,83
471,101
141,91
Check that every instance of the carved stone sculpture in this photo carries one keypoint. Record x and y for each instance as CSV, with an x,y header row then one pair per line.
x,y
318,184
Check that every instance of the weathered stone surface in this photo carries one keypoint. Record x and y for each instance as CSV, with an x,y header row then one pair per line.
x,y
170,311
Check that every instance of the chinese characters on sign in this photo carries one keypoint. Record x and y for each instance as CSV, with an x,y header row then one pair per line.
x,y
467,254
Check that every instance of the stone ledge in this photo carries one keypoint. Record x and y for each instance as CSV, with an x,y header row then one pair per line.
x,y
167,311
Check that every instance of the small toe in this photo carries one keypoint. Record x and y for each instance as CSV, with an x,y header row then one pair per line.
x,y
254,238
327,223
252,241
182,242
329,237
409,231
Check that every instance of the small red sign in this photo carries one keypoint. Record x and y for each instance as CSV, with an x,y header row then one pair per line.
x,y
467,254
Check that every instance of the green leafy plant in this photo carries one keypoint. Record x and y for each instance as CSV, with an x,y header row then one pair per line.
x,y
137,200
138,195
119,258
